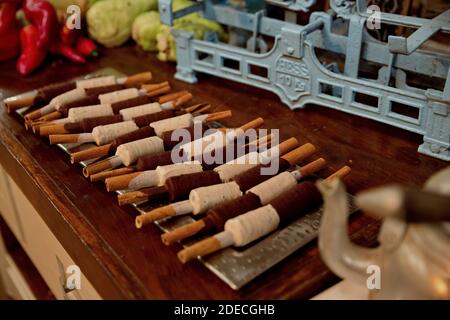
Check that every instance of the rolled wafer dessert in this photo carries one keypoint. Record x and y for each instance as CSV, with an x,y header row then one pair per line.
x,y
105,136
126,154
76,117
139,121
62,114
76,90
142,132
128,182
104,108
39,96
179,188
152,160
69,96
126,104
206,198
260,193
245,228
172,139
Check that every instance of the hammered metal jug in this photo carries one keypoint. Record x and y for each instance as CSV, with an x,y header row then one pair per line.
x,y
413,257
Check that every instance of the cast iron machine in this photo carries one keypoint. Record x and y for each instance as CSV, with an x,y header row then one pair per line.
x,y
292,70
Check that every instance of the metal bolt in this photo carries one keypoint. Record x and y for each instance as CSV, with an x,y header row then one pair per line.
x,y
435,148
290,50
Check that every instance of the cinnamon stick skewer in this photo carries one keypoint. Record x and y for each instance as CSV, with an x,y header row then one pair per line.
x,y
104,107
256,223
84,125
144,132
178,188
147,178
241,185
117,108
172,96
111,173
117,160
169,143
205,198
81,119
37,96
135,79
130,181
219,213
151,162
139,121
91,97
96,152
74,94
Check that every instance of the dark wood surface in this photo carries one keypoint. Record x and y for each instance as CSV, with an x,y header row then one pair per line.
x,y
122,262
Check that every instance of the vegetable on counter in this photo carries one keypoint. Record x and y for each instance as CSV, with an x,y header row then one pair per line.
x,y
41,34
110,21
151,35
31,56
86,47
67,52
145,28
9,31
68,36
42,15
73,46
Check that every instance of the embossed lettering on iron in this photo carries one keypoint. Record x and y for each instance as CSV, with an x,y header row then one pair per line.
x,y
293,77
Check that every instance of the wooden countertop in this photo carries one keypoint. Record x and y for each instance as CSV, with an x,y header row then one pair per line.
x,y
122,262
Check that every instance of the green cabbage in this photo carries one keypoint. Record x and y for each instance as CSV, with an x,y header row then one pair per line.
x,y
145,29
195,24
165,42
110,21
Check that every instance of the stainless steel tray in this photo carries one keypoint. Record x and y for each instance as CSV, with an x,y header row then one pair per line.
x,y
236,267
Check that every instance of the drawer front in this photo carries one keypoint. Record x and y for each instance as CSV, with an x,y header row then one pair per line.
x,y
7,207
15,285
47,254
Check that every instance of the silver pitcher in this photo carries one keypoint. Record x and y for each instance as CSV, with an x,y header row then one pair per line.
x,y
413,258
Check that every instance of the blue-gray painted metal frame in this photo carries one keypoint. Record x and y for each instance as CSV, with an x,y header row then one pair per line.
x,y
295,74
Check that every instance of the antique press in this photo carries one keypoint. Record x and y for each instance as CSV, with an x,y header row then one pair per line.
x,y
287,63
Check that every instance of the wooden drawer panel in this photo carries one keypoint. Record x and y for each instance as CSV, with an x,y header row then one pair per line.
x,y
15,285
46,252
7,207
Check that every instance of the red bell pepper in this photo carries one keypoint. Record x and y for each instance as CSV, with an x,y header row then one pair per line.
x,y
9,49
68,36
31,56
7,16
16,3
9,31
68,52
42,14
86,47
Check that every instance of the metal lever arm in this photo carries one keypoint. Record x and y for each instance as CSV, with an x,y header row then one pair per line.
x,y
398,44
168,16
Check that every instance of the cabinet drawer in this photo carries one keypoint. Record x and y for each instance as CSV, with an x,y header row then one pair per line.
x,y
15,285
7,207
45,251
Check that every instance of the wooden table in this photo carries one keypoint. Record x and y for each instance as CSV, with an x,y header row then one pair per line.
x,y
123,262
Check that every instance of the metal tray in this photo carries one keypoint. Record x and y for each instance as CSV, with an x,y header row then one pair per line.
x,y
235,266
